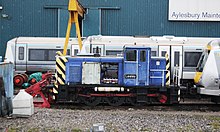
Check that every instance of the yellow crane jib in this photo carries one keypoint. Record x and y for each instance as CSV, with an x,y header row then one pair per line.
x,y
75,9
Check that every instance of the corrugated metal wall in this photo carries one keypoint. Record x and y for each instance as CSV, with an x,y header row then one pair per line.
x,y
106,17
146,17
28,18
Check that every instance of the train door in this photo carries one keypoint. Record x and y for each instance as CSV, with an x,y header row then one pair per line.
x,y
175,56
98,48
135,67
163,50
176,59
21,58
143,65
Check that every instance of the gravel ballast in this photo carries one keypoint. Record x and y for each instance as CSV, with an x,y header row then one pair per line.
x,y
114,119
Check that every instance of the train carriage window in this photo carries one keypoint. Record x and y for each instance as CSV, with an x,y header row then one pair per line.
x,y
37,55
76,52
176,58
131,55
163,53
44,54
153,53
52,53
143,56
97,50
191,59
21,53
68,52
113,52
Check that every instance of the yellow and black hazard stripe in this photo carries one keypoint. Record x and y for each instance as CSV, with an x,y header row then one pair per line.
x,y
168,70
60,74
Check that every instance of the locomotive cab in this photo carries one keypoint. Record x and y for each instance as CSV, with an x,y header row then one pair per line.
x,y
208,71
136,65
212,45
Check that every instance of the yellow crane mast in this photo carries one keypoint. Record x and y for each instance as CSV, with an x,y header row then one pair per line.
x,y
75,10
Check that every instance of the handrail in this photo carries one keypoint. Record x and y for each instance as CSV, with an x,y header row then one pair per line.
x,y
176,76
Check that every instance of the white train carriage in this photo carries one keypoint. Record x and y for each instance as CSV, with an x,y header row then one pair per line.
x,y
34,54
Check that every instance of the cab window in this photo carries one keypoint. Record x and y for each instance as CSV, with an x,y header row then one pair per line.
x,y
153,53
131,55
191,59
202,62
143,56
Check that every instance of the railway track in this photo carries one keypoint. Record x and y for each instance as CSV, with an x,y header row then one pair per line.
x,y
190,105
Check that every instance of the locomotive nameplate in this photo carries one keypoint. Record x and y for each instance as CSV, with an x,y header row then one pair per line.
x,y
130,76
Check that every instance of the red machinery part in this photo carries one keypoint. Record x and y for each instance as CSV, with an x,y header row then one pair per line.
x,y
32,81
25,76
37,89
162,98
19,79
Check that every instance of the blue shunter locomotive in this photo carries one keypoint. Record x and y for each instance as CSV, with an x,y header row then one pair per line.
x,y
136,78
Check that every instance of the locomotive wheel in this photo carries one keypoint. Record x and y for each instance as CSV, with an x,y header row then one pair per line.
x,y
133,101
115,101
90,101
18,80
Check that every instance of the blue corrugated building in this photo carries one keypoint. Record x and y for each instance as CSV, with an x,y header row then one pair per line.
x,y
106,17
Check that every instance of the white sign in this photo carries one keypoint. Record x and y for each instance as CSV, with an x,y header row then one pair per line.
x,y
194,10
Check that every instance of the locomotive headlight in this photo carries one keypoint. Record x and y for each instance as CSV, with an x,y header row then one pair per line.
x,y
216,81
96,88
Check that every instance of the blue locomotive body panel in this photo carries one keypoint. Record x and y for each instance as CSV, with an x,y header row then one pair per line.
x,y
158,71
74,72
74,68
136,68
134,78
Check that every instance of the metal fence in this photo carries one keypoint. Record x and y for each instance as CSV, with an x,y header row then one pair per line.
x,y
6,88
